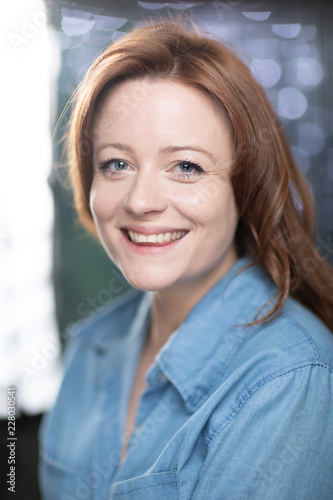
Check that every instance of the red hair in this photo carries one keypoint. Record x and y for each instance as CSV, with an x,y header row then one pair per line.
x,y
264,176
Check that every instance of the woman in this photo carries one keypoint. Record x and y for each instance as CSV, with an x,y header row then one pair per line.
x,y
217,383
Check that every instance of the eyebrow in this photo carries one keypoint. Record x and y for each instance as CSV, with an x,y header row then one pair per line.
x,y
167,149
173,149
116,145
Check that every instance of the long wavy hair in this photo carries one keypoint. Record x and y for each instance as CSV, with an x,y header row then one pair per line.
x,y
273,199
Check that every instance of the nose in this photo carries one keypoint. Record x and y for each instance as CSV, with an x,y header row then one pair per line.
x,y
146,195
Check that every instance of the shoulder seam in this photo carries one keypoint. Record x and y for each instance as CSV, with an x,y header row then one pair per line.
x,y
253,390
305,332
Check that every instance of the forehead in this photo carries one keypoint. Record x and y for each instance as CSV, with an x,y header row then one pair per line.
x,y
162,108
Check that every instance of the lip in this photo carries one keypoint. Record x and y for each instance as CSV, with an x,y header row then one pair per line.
x,y
152,229
150,248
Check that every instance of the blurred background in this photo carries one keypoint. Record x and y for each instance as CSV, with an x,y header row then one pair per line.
x,y
52,273
287,44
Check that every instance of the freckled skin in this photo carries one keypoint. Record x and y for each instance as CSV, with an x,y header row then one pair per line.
x,y
151,119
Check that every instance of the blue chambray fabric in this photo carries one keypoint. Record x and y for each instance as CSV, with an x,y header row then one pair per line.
x,y
230,412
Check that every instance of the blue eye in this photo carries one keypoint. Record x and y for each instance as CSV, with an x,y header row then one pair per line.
x,y
119,164
113,165
188,169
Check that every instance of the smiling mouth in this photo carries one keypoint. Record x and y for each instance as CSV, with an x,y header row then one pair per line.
x,y
155,239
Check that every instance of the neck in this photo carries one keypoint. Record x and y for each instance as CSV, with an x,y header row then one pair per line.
x,y
172,305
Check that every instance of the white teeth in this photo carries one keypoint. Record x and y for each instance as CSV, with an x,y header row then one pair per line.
x,y
155,238
142,238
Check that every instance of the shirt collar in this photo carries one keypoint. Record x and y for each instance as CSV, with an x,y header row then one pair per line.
x,y
197,354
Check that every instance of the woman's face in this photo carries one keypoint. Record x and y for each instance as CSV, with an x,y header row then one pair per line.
x,y
161,197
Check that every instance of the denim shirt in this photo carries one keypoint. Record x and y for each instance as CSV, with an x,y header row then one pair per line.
x,y
229,411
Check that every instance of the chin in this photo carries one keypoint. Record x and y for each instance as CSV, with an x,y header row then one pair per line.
x,y
148,283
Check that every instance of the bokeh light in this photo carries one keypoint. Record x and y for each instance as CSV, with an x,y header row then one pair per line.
x,y
292,103
108,23
287,30
76,27
257,16
266,71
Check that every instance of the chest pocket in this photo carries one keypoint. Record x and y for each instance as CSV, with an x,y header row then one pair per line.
x,y
157,486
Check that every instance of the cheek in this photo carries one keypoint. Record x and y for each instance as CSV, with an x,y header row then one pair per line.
x,y
222,219
195,199
211,204
102,203
228,214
